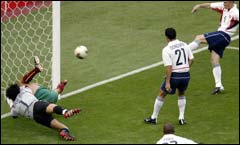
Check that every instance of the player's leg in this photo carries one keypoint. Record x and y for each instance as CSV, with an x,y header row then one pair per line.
x,y
181,106
196,43
217,41
42,114
217,72
63,130
159,101
29,76
182,87
53,108
41,107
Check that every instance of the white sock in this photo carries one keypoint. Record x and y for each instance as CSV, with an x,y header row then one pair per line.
x,y
217,72
64,111
181,105
157,105
194,45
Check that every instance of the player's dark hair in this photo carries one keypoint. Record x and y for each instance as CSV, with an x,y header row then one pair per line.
x,y
170,33
168,129
12,91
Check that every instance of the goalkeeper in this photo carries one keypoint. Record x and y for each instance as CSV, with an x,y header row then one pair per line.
x,y
38,103
40,92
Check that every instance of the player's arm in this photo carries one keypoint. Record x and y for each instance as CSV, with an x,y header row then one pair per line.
x,y
204,5
190,56
168,65
14,114
168,77
29,76
190,61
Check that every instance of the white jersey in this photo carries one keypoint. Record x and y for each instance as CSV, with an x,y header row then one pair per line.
x,y
173,139
229,22
24,102
177,54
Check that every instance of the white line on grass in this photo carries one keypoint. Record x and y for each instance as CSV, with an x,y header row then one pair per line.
x,y
235,48
124,75
129,73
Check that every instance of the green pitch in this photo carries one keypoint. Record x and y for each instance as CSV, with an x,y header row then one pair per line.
x,y
121,37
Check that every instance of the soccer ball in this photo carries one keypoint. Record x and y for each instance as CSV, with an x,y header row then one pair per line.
x,y
81,52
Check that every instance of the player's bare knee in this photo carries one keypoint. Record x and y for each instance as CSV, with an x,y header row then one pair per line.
x,y
162,94
214,62
197,37
50,107
201,39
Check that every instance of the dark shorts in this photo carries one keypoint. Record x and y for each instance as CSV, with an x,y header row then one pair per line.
x,y
40,115
45,94
178,81
217,41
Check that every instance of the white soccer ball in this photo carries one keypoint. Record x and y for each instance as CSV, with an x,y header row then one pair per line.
x,y
81,52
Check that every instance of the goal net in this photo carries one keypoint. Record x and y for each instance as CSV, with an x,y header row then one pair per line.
x,y
30,28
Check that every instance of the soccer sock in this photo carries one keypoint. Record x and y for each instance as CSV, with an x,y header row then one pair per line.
x,y
181,105
194,45
217,75
29,76
66,129
157,105
59,110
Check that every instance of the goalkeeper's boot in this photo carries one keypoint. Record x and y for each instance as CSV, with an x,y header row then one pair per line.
x,y
182,122
64,133
37,63
71,112
61,86
149,120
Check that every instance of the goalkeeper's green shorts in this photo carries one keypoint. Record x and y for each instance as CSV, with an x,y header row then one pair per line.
x,y
45,94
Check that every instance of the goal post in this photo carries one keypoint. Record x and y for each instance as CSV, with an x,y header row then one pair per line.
x,y
29,28
56,44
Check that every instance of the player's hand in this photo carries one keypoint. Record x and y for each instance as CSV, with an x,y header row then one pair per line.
x,y
168,87
195,8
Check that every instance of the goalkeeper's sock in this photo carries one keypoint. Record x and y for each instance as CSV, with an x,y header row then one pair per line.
x,y
29,76
59,110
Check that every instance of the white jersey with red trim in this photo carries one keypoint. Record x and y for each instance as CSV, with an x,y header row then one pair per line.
x,y
229,21
173,139
177,54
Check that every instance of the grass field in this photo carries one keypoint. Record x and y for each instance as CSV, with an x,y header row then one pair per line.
x,y
121,37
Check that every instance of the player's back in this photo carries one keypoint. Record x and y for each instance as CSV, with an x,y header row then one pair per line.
x,y
229,21
173,139
24,102
177,54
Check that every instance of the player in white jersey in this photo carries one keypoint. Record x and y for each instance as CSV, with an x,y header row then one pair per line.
x,y
220,39
177,58
170,138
